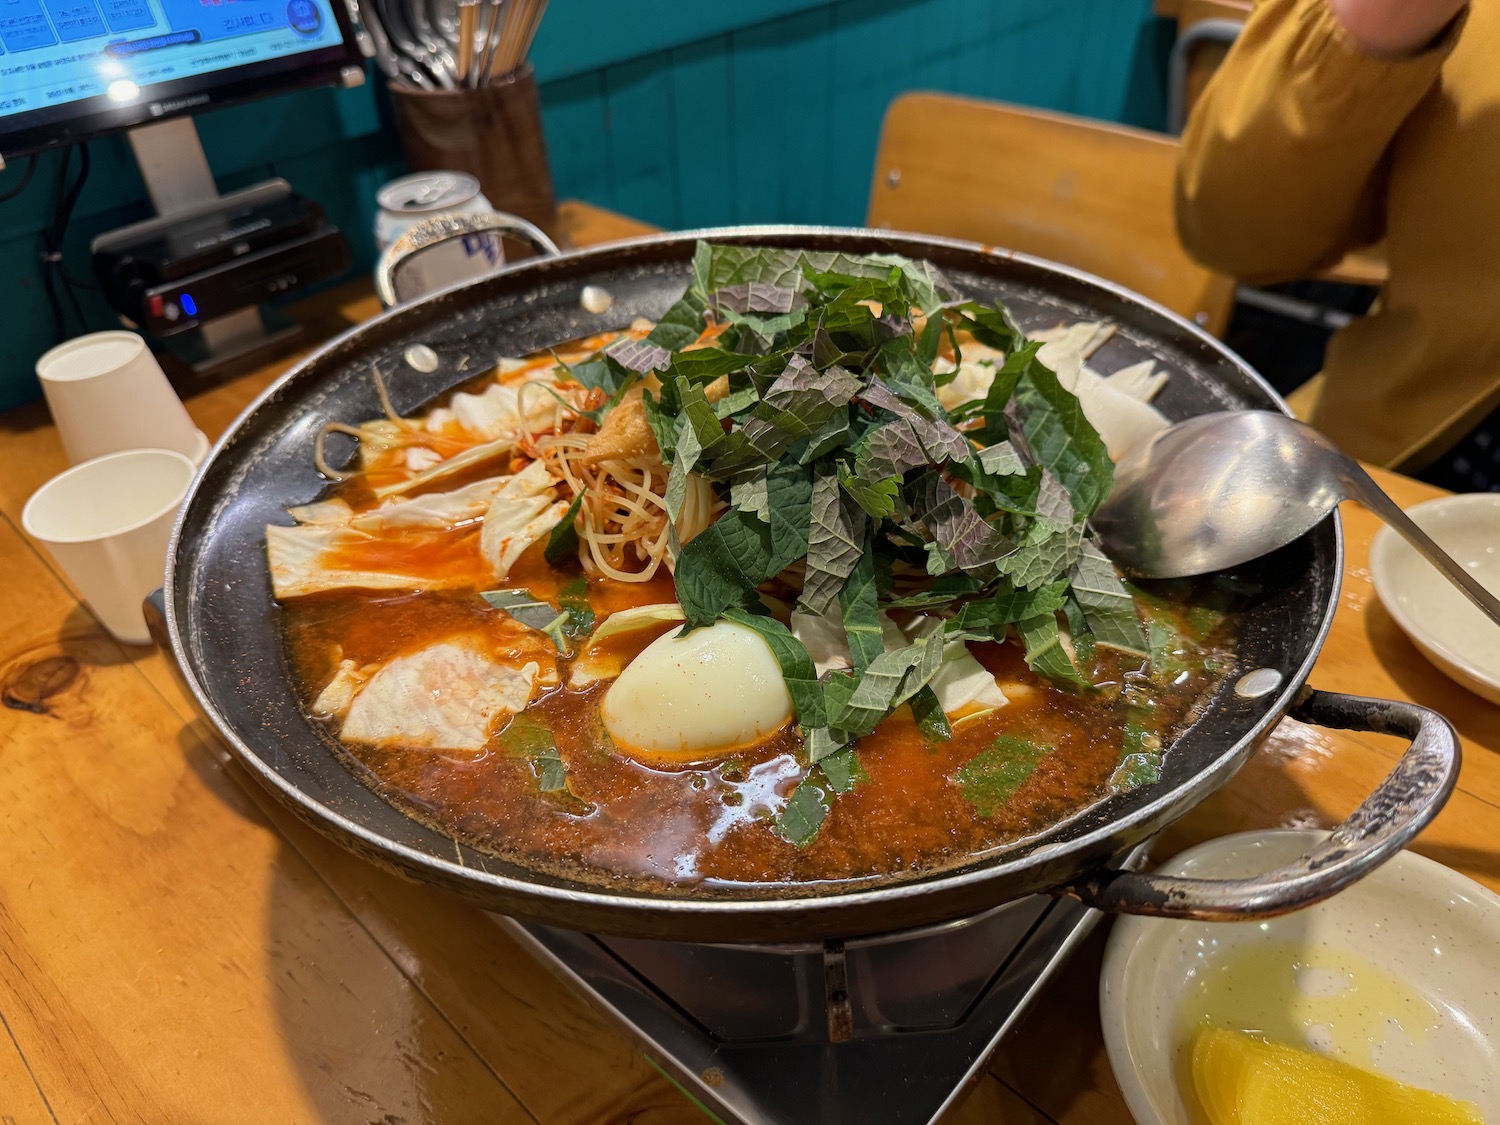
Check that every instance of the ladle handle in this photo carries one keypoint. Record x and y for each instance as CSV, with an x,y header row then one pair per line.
x,y
1362,488
1401,806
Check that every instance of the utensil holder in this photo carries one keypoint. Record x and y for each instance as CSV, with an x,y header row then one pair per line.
x,y
492,132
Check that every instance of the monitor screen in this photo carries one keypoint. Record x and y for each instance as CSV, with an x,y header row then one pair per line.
x,y
71,69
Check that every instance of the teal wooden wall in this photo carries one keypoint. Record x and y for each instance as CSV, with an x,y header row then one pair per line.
x,y
697,114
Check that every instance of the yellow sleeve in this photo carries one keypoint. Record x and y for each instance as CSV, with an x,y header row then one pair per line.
x,y
1282,160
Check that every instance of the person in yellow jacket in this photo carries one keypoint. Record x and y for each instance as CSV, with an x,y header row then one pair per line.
x,y
1332,124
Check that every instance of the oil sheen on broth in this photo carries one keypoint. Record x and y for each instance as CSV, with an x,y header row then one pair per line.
x,y
404,549
623,822
708,826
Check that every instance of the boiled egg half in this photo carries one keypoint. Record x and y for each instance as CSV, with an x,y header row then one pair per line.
x,y
688,698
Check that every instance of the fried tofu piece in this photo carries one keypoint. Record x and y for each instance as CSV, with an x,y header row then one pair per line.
x,y
625,433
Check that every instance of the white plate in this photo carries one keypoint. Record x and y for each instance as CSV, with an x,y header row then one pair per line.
x,y
1412,926
1449,630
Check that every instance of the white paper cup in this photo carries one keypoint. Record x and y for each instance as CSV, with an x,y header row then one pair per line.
x,y
107,393
106,523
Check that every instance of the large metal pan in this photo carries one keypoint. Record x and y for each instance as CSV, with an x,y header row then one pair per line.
x,y
221,622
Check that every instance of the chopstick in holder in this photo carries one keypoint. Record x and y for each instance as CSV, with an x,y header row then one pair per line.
x,y
468,25
510,28
531,30
488,45
528,33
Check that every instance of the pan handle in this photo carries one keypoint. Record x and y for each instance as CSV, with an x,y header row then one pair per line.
x,y
154,608
441,228
1401,806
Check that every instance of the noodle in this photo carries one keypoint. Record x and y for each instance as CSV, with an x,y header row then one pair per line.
x,y
320,459
623,529
624,532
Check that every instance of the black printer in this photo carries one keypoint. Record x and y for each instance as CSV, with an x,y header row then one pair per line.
x,y
171,274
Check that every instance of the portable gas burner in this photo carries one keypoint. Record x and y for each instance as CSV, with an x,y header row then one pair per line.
x,y
887,1028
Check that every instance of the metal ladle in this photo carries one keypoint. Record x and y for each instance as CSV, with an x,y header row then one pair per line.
x,y
1222,489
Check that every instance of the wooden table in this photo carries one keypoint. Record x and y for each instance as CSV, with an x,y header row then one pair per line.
x,y
175,947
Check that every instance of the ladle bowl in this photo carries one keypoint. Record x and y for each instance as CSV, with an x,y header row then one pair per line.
x,y
1221,489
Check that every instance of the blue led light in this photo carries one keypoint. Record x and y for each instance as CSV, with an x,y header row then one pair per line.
x,y
189,305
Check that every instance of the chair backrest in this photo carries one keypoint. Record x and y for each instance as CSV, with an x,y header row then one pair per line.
x,y
1087,194
1206,29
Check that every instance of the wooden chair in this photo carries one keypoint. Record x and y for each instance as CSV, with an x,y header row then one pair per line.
x,y
1176,9
1206,29
1087,194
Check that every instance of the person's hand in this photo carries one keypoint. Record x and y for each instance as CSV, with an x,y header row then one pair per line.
x,y
1391,28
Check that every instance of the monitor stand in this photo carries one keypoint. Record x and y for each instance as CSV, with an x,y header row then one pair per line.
x,y
178,179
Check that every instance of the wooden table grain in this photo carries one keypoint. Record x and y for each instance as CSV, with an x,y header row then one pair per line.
x,y
174,947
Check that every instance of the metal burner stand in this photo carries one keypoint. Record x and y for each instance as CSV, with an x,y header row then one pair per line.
x,y
887,1029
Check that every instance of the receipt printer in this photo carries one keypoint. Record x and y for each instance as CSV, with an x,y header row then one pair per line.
x,y
171,274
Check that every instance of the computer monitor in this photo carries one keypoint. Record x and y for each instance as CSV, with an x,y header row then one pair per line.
x,y
75,69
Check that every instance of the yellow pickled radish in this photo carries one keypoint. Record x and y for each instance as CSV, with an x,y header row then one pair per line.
x,y
1242,1080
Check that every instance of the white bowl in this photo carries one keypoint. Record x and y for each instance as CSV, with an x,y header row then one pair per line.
x,y
1445,625
1412,934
